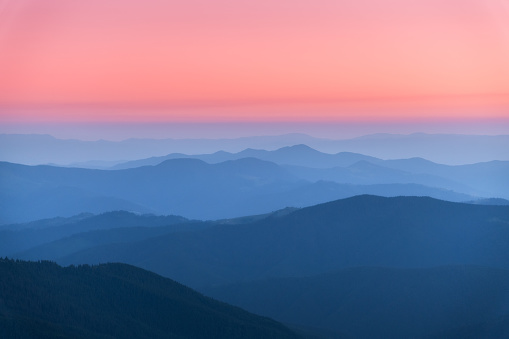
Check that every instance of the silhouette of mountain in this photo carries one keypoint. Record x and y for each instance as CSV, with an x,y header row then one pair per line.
x,y
61,238
20,237
31,245
27,201
368,173
324,191
441,148
36,149
43,300
367,302
187,187
482,179
359,231
488,178
452,149
298,155
37,245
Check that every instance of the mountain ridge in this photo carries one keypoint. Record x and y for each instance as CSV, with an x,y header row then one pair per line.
x,y
358,231
441,148
228,189
116,300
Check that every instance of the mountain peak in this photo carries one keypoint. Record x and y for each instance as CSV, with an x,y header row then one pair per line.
x,y
298,148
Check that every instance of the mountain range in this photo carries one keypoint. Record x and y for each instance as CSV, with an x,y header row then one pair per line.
x,y
360,231
298,155
246,186
487,178
44,300
360,267
21,237
34,149
413,248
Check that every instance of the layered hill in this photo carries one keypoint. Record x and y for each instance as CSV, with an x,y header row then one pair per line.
x,y
361,267
43,300
485,179
298,155
187,187
21,237
360,231
442,148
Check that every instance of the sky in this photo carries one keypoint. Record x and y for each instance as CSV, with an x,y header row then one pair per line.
x,y
313,62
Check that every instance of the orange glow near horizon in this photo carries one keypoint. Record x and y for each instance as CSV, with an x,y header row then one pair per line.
x,y
230,60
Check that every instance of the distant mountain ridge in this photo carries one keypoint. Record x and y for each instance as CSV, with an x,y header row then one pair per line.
x,y
187,187
298,155
488,179
441,148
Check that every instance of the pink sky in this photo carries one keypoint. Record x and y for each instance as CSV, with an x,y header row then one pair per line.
x,y
253,60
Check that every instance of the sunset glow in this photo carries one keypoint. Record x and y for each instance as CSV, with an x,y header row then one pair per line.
x,y
226,60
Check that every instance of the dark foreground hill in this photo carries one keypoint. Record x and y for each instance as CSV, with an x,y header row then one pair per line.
x,y
44,300
443,302
360,231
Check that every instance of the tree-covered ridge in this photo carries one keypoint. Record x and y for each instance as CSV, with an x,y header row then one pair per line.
x,y
44,300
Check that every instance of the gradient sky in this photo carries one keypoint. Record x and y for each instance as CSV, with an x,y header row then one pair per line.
x,y
253,60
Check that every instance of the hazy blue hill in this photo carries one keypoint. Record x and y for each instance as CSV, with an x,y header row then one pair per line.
x,y
384,302
452,149
20,237
47,223
366,167
27,196
414,165
302,155
35,149
441,148
490,177
319,192
132,229
482,179
325,191
188,187
128,233
297,155
43,300
153,161
49,249
108,220
368,173
359,231
173,187
486,177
